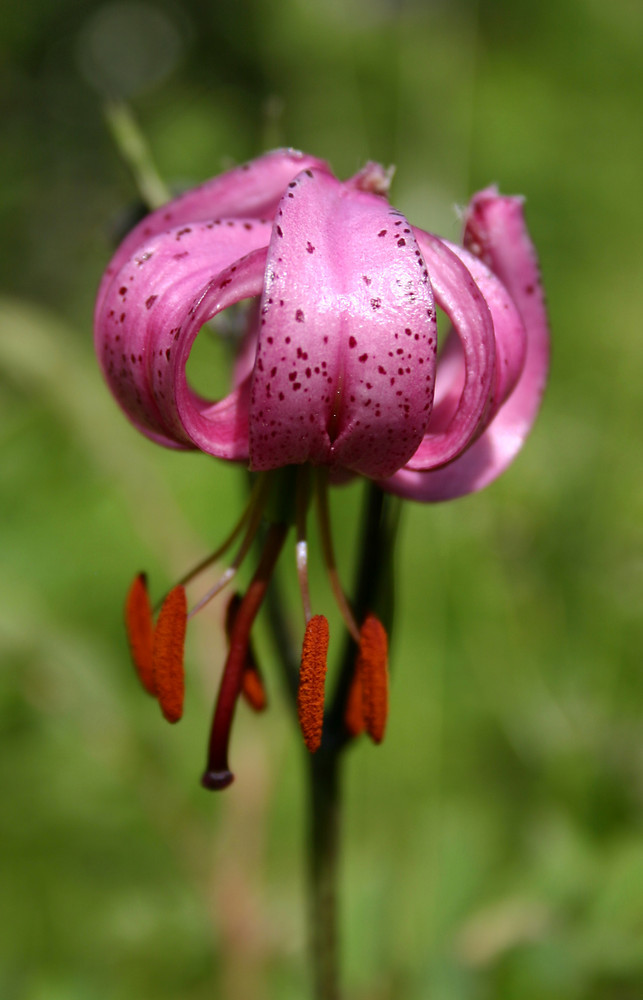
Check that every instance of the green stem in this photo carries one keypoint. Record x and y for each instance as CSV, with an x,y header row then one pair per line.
x,y
372,591
323,872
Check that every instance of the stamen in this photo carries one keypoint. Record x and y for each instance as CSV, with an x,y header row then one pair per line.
x,y
169,637
140,631
221,583
255,499
255,513
329,554
312,680
301,548
372,669
217,774
354,714
252,686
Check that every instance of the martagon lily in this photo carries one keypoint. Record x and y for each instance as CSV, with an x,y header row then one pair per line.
x,y
337,374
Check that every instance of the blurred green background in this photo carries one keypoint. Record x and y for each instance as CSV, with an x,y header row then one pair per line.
x,y
493,843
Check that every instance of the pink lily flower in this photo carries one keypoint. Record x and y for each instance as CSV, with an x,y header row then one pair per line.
x,y
338,369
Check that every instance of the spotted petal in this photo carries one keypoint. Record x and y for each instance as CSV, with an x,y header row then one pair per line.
x,y
459,296
346,353
495,232
510,339
250,191
150,316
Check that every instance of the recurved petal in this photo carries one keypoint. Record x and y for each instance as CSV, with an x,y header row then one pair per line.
x,y
495,231
509,331
250,191
150,316
458,295
510,339
347,337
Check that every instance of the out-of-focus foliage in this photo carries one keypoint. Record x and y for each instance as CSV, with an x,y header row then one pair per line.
x,y
494,845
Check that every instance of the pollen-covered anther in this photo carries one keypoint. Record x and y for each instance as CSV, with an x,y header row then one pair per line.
x,y
253,689
312,680
169,639
139,625
372,671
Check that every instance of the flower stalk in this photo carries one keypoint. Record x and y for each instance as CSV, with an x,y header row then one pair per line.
x,y
324,837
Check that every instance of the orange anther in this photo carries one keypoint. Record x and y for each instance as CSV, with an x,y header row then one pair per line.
x,y
252,688
169,637
354,714
140,630
312,678
372,669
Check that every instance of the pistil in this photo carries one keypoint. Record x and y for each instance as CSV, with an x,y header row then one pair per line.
x,y
252,686
217,774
